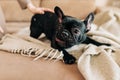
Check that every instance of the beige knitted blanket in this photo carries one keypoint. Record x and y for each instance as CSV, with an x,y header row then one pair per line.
x,y
103,63
95,63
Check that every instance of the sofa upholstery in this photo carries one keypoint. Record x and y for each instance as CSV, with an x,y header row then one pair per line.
x,y
12,11
75,8
17,67
15,17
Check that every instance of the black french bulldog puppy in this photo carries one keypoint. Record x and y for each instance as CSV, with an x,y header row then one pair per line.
x,y
63,31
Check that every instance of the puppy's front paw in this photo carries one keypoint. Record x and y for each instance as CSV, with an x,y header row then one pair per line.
x,y
69,59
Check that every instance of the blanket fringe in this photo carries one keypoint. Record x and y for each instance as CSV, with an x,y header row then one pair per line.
x,y
22,46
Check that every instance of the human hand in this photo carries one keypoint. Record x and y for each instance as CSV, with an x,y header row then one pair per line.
x,y
38,10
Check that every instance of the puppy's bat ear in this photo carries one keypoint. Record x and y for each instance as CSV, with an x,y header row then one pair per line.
x,y
59,13
89,19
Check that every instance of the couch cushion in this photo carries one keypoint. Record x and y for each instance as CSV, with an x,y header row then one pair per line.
x,y
76,8
13,12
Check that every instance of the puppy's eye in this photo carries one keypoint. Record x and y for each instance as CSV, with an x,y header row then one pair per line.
x,y
76,31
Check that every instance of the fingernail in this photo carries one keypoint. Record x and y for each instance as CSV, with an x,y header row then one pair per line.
x,y
42,12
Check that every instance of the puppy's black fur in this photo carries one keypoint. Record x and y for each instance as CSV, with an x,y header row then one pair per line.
x,y
63,31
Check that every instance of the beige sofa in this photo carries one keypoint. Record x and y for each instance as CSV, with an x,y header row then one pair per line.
x,y
17,67
15,17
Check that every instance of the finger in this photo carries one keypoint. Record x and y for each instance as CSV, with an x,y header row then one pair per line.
x,y
47,9
39,11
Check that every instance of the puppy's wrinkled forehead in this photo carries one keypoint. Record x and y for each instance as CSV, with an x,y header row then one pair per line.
x,y
71,22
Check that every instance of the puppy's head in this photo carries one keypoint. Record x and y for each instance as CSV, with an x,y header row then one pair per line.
x,y
71,31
